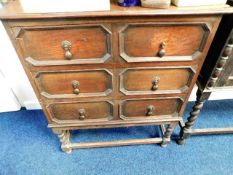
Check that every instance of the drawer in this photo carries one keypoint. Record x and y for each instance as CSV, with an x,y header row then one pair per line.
x,y
150,42
72,84
77,112
150,108
229,81
230,78
62,45
161,80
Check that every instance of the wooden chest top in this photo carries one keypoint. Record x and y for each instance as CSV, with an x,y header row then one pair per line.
x,y
13,10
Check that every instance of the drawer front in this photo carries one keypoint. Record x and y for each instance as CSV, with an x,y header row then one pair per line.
x,y
61,45
230,81
77,112
229,68
162,42
225,77
150,108
140,81
230,78
73,84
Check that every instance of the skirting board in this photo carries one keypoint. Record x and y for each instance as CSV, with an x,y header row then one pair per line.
x,y
216,95
32,105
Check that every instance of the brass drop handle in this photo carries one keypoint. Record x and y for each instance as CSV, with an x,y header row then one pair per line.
x,y
75,85
155,83
82,114
162,50
66,45
150,110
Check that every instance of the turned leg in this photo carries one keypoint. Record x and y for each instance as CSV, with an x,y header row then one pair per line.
x,y
187,129
167,135
64,137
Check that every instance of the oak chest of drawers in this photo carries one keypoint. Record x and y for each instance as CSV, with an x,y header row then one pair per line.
x,y
120,68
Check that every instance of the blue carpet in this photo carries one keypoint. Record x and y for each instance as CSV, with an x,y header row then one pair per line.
x,y
28,147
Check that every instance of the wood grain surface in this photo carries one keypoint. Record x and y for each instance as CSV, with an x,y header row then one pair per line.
x,y
14,10
116,55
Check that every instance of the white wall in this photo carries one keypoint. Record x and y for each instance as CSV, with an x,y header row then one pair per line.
x,y
16,79
14,74
8,101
